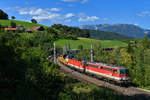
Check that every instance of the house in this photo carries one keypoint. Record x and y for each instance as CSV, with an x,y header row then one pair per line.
x,y
38,28
20,27
29,30
10,29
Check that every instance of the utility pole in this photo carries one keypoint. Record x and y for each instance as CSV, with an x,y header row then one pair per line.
x,y
69,46
92,55
66,47
64,50
55,59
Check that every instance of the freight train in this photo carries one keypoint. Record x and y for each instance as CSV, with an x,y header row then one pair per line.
x,y
102,70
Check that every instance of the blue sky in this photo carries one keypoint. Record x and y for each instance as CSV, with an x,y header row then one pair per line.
x,y
80,12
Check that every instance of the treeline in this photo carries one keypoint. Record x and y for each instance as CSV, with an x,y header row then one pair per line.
x,y
67,32
136,57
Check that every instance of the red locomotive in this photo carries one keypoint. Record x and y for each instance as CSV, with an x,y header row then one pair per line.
x,y
109,72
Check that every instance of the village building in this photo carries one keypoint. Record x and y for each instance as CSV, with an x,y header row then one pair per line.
x,y
29,30
38,28
10,29
20,27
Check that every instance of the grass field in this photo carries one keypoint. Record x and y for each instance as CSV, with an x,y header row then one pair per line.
x,y
86,43
25,24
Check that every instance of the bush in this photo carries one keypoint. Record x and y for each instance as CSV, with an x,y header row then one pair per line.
x,y
13,24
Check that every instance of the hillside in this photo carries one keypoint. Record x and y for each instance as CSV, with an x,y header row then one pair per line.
x,y
102,35
85,42
25,24
123,29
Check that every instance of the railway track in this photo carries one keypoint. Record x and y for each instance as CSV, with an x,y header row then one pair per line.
x,y
129,92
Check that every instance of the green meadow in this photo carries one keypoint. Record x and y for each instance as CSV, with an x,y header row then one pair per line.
x,y
85,42
25,24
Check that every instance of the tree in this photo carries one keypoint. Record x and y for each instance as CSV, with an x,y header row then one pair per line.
x,y
1,28
33,21
12,17
13,24
3,15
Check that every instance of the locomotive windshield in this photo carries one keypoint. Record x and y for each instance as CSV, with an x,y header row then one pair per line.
x,y
84,63
124,71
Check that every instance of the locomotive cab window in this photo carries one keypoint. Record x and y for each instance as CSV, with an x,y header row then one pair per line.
x,y
114,71
124,71
84,63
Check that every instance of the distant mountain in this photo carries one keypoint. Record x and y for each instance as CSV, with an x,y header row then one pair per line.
x,y
96,34
123,29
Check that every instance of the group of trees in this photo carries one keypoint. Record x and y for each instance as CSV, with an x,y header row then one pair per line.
x,y
33,21
4,15
68,32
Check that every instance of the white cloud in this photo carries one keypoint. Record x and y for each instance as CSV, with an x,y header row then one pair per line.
x,y
146,32
68,20
88,18
143,14
69,15
32,11
70,0
82,1
81,14
105,19
55,9
136,24
12,8
51,14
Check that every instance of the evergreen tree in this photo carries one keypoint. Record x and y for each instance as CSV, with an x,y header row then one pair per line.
x,y
33,21
13,17
13,24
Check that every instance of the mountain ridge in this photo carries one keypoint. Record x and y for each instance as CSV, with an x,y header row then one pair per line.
x,y
102,35
123,29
